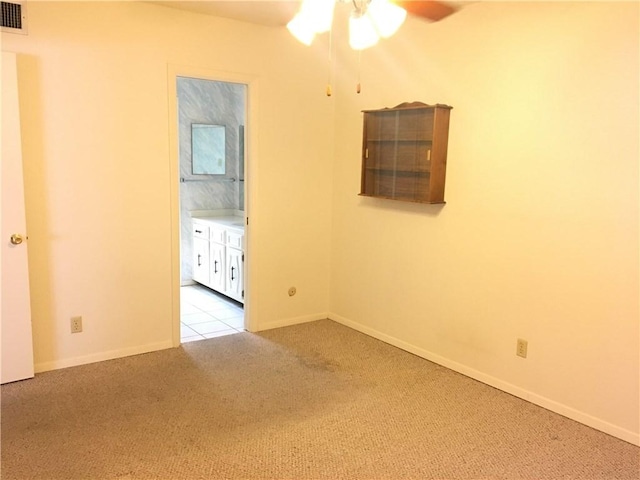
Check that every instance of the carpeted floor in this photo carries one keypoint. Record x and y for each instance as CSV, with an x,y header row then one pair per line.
x,y
311,401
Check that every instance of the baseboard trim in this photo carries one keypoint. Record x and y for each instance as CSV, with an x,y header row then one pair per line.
x,y
287,322
101,356
556,407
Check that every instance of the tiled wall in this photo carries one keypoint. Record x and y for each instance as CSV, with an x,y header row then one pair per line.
x,y
215,103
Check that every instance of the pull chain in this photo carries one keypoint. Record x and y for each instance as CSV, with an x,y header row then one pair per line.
x,y
360,8
358,87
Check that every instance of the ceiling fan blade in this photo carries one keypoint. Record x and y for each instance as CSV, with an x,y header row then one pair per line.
x,y
431,10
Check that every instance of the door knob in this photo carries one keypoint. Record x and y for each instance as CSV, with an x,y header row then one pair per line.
x,y
16,239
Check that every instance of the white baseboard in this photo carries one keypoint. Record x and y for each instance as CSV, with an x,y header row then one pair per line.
x,y
564,410
286,322
101,356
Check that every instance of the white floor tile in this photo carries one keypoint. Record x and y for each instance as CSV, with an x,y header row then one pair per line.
x,y
226,313
234,322
209,327
197,338
200,311
186,331
187,308
211,304
190,293
221,333
193,318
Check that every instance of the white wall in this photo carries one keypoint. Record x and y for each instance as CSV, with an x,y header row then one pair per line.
x,y
538,240
94,92
539,236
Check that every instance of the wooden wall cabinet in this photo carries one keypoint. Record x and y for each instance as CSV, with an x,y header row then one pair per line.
x,y
404,152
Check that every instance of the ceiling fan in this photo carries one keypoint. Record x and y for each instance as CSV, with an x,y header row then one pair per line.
x,y
427,9
369,19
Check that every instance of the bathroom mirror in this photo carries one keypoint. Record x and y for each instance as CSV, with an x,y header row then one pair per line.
x,y
208,149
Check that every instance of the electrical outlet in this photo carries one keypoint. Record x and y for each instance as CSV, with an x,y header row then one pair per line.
x,y
521,348
76,324
292,291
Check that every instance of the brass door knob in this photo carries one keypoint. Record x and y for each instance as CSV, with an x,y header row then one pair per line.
x,y
16,239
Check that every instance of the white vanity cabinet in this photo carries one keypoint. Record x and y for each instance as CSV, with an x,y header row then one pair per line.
x,y
201,264
235,282
217,266
224,255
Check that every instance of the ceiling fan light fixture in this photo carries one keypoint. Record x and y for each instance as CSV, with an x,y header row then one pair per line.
x,y
300,27
319,13
386,17
362,33
314,16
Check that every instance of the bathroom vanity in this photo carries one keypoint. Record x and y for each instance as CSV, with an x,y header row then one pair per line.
x,y
218,254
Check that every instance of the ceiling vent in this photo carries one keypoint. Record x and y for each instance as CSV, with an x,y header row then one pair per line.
x,y
14,16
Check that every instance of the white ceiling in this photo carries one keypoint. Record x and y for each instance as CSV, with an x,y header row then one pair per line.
x,y
263,12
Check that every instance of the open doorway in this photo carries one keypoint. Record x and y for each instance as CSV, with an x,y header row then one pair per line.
x,y
211,118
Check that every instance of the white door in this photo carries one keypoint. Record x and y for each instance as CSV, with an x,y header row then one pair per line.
x,y
16,339
201,271
217,259
235,267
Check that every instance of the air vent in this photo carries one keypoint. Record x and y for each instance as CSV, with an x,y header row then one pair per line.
x,y
14,17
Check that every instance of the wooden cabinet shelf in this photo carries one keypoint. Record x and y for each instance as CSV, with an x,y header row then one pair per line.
x,y
404,152
398,172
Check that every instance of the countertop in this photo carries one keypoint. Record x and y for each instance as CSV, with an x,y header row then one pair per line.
x,y
229,221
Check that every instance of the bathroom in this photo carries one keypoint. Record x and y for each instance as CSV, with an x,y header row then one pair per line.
x,y
211,131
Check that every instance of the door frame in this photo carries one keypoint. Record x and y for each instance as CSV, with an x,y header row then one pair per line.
x,y
251,147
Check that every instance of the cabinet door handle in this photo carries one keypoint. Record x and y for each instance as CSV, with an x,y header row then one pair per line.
x,y
198,231
199,264
429,155
215,266
232,277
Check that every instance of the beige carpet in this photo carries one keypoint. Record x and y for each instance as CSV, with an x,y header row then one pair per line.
x,y
312,401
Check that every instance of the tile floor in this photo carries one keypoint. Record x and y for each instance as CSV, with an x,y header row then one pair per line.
x,y
207,314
